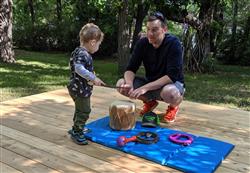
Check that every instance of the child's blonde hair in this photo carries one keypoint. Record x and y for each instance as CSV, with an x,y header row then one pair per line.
x,y
89,32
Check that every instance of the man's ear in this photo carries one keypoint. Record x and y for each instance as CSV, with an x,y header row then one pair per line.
x,y
165,29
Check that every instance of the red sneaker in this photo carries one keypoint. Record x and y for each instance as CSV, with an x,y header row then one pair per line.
x,y
148,106
171,113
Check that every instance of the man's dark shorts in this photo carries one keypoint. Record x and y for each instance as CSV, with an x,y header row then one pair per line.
x,y
155,94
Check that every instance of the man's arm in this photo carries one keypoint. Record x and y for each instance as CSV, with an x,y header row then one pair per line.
x,y
136,57
150,86
175,62
129,77
164,80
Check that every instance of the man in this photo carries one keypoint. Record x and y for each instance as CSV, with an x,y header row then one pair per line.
x,y
161,55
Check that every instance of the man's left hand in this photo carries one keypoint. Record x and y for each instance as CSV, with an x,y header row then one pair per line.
x,y
135,94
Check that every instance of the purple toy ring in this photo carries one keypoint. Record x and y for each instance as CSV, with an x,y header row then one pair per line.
x,y
176,138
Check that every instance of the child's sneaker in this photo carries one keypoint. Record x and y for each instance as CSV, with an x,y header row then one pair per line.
x,y
171,113
148,106
78,137
84,130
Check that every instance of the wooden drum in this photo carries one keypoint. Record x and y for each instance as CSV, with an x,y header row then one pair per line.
x,y
122,115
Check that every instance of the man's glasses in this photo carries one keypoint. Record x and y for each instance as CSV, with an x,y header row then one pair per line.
x,y
159,16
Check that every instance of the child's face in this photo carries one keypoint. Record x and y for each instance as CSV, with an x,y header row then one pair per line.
x,y
94,46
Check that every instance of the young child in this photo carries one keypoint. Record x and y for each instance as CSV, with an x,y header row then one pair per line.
x,y
83,78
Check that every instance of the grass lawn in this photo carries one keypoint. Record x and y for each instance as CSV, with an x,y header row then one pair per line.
x,y
36,72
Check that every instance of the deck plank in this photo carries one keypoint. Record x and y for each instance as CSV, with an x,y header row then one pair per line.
x,y
7,169
35,128
45,158
22,163
61,151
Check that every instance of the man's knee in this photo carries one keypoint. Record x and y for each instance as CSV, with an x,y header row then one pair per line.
x,y
170,94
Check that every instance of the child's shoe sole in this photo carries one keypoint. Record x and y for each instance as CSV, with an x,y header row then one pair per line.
x,y
84,142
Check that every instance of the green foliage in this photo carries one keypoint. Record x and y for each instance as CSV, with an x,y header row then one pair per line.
x,y
215,25
236,50
208,65
237,53
50,33
171,8
175,29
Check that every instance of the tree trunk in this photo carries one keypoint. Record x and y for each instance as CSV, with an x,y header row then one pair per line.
x,y
206,16
216,34
234,27
6,47
32,13
243,50
200,51
123,37
59,10
246,31
142,11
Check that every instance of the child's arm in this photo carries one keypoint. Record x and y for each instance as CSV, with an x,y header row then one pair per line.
x,y
84,73
89,76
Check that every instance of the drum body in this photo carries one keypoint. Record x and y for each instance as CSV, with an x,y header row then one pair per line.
x,y
122,115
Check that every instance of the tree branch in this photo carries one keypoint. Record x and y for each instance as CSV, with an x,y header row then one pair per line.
x,y
185,17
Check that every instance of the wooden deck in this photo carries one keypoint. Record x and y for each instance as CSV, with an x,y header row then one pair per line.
x,y
34,135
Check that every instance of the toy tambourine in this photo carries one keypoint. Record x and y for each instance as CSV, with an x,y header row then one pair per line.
x,y
142,137
182,139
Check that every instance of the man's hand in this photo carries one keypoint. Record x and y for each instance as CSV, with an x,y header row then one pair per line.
x,y
98,82
135,94
125,88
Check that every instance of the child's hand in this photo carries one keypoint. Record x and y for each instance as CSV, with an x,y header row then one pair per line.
x,y
98,82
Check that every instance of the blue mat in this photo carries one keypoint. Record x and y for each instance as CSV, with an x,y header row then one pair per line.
x,y
203,155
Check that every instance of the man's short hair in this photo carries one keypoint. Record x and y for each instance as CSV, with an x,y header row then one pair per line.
x,y
89,32
157,16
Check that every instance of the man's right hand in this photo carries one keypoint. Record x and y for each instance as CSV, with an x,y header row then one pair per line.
x,y
125,89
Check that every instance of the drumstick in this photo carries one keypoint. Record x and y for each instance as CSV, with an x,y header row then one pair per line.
x,y
115,87
110,86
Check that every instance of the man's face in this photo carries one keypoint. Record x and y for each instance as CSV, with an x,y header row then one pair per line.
x,y
155,32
